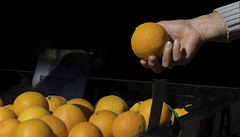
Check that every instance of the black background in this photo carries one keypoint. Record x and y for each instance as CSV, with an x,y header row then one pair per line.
x,y
106,27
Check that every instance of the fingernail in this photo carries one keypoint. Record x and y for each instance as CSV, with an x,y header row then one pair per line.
x,y
168,44
151,59
177,44
176,41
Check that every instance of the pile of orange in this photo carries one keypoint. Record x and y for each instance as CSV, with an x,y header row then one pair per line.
x,y
33,114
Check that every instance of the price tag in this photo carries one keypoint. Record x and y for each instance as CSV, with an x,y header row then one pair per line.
x,y
62,72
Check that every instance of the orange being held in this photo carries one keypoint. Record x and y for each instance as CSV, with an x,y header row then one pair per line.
x,y
149,39
27,99
103,119
85,129
58,127
70,115
128,124
84,105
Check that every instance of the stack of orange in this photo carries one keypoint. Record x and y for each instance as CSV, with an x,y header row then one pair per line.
x,y
52,116
109,117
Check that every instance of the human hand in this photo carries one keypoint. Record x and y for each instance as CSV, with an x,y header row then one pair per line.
x,y
185,41
186,37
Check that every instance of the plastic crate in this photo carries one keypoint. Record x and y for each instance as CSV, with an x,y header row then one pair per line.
x,y
210,103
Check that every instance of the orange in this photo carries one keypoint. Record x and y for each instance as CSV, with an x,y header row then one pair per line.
x,y
85,129
54,102
58,127
84,105
33,112
28,99
8,127
149,39
112,103
6,113
128,124
1,102
70,115
61,97
33,128
10,106
145,109
135,106
103,119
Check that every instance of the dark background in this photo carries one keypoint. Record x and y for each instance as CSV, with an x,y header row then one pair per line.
x,y
106,27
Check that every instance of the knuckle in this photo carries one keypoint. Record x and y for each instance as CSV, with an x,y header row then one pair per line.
x,y
177,59
166,65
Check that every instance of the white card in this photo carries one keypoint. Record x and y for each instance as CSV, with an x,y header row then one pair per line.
x,y
62,72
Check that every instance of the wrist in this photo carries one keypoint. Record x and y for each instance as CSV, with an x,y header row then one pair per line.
x,y
211,27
